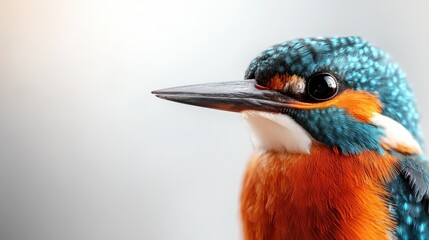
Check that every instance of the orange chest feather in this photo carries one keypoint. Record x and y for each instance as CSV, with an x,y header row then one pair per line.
x,y
321,195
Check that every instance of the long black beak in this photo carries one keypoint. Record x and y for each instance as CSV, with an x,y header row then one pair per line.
x,y
235,96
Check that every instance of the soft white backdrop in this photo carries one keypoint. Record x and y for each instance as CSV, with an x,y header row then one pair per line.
x,y
87,153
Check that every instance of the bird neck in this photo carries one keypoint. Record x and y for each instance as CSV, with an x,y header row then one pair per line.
x,y
323,195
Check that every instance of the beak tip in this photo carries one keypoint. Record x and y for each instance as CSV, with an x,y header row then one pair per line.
x,y
158,93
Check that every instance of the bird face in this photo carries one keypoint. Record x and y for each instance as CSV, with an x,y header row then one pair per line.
x,y
340,92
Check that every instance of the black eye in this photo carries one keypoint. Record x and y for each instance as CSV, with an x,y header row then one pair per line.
x,y
322,87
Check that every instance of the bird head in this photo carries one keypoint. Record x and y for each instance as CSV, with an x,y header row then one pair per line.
x,y
340,92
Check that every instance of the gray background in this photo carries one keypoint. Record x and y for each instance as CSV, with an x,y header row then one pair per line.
x,y
86,152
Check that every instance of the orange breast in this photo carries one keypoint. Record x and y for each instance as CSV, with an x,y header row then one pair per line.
x,y
321,195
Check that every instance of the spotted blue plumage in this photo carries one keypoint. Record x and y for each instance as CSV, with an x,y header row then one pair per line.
x,y
360,66
346,136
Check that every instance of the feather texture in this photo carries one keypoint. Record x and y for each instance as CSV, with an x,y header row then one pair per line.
x,y
323,195
409,195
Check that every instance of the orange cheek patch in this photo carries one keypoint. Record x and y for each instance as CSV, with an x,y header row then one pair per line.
x,y
360,104
285,82
278,82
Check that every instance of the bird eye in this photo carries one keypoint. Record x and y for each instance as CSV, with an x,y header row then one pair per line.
x,y
322,87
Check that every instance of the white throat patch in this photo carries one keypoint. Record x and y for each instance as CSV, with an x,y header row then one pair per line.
x,y
275,131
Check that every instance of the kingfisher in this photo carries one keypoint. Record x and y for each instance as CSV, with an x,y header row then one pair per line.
x,y
338,146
